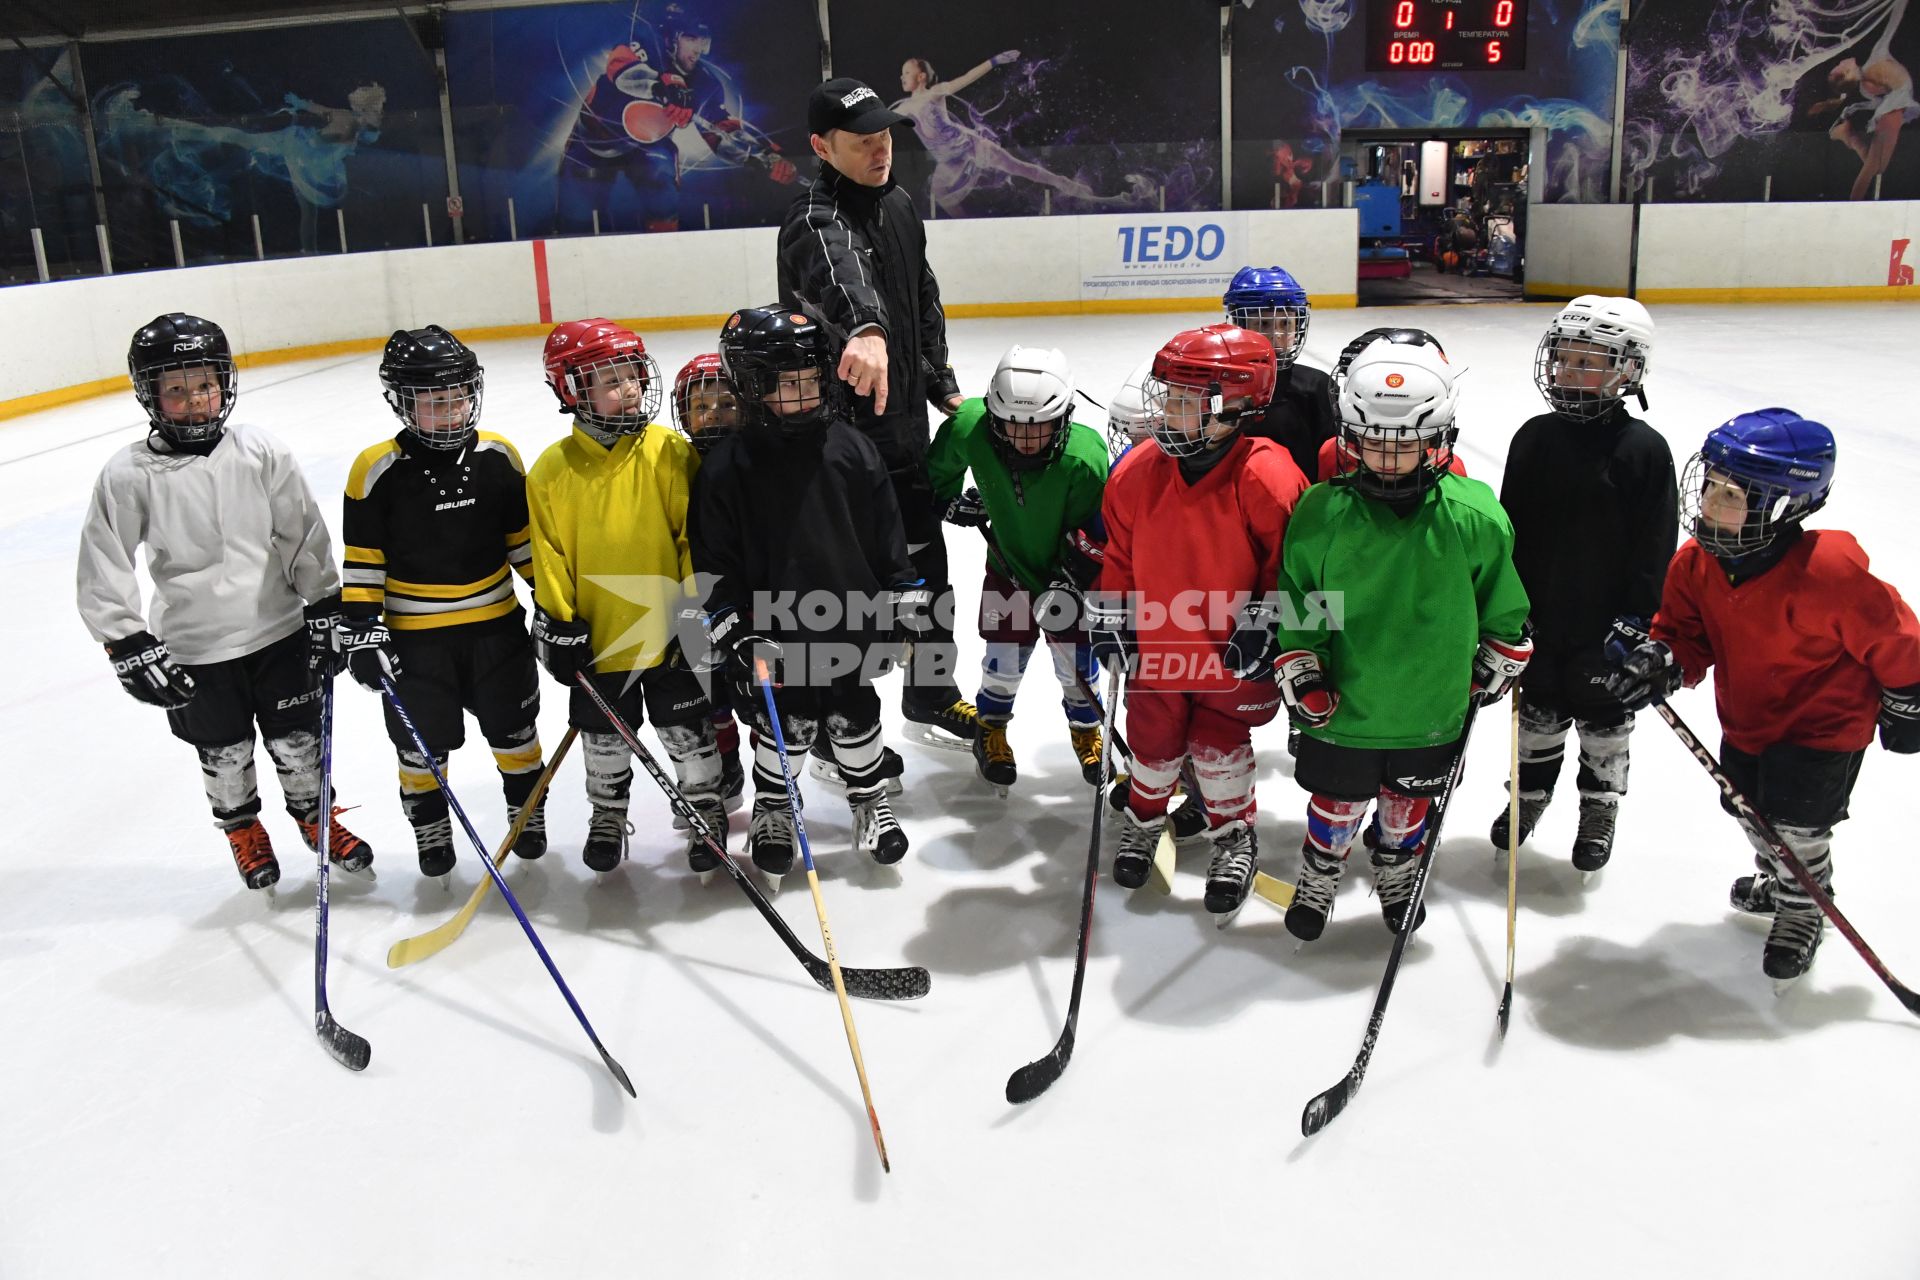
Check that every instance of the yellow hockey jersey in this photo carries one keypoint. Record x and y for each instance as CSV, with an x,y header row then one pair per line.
x,y
610,540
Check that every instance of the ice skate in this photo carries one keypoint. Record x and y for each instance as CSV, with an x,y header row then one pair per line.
x,y
1235,858
993,756
253,855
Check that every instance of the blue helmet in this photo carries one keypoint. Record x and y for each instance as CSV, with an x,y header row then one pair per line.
x,y
1260,298
1779,462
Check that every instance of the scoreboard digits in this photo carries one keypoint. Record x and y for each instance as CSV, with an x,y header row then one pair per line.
x,y
1446,35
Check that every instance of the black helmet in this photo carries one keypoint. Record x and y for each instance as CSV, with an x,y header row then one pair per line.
x,y
175,343
424,361
757,345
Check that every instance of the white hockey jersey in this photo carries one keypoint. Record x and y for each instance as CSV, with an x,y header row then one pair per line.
x,y
235,543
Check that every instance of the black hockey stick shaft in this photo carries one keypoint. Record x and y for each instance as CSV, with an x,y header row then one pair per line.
x,y
1784,854
1034,1079
500,882
1324,1107
349,1050
907,983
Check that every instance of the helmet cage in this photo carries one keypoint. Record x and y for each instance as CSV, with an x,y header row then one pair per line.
x,y
1264,318
1772,507
1436,456
578,381
146,389
1626,367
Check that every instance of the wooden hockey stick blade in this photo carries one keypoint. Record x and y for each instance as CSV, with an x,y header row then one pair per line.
x,y
437,939
1160,878
1278,892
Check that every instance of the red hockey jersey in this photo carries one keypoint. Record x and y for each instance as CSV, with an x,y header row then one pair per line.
x,y
1803,650
1188,555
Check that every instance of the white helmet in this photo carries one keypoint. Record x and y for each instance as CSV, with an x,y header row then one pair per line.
x,y
1618,330
1031,386
1127,417
1397,393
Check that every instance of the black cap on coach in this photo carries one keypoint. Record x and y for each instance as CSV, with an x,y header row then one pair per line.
x,y
849,104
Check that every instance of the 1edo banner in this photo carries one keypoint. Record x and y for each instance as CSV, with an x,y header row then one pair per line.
x,y
1161,255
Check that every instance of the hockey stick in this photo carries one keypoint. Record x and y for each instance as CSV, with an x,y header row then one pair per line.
x,y
500,881
1513,857
437,939
1784,854
349,1050
765,680
908,983
1324,1107
1034,1079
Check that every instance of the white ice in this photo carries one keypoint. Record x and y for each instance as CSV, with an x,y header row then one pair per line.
x,y
1655,1109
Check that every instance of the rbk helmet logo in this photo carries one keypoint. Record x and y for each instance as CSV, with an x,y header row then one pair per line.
x,y
189,344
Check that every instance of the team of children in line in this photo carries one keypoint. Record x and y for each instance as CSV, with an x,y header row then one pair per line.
x,y
1378,604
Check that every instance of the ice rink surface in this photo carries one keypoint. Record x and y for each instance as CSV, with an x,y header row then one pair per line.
x,y
1654,1111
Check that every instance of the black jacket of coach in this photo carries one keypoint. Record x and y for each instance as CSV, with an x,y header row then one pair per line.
x,y
852,256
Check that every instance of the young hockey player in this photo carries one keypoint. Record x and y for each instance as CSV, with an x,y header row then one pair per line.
x,y
1380,687
1271,303
1194,528
435,525
1811,649
795,524
1127,417
1039,476
705,412
1590,491
244,590
610,568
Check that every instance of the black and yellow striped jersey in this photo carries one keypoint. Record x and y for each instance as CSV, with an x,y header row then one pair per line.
x,y
431,534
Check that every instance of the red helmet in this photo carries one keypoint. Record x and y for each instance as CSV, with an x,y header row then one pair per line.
x,y
1223,358
579,347
703,372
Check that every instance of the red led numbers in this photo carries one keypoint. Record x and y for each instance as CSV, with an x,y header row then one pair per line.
x,y
1447,35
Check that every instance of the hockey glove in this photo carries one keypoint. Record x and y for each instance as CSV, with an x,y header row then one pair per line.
x,y
1647,675
323,650
1900,719
968,510
943,388
368,647
738,643
148,672
1497,666
1057,610
1251,648
1114,644
564,647
912,610
674,95
1625,635
1311,698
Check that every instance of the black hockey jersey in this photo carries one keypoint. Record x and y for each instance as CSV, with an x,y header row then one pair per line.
x,y
1301,416
1595,521
776,515
431,534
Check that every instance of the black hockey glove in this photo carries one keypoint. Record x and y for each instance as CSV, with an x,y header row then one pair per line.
x,y
1648,675
324,655
1114,644
1900,719
738,643
148,672
967,510
1082,556
1311,698
1625,635
1497,665
912,606
942,387
565,649
368,648
1255,641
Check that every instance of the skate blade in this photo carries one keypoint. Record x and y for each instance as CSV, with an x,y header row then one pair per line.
x,y
446,882
365,873
932,736
706,877
1226,918
773,882
1781,986
1587,878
